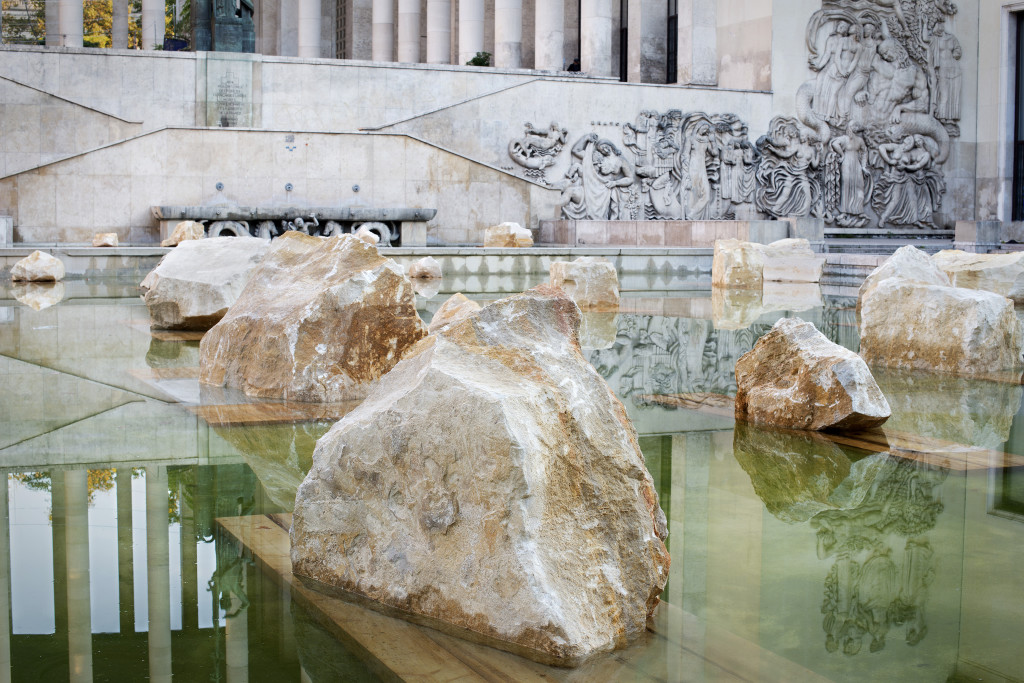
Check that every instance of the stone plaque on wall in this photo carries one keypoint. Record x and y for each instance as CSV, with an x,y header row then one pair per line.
x,y
229,93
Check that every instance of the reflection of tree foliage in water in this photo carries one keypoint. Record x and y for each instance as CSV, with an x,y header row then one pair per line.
x,y
871,587
96,481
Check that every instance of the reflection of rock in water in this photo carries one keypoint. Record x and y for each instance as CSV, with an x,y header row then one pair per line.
x,y
280,455
871,516
172,354
38,295
799,474
967,411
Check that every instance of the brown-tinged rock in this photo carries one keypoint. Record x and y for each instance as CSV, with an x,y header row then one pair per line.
x,y
193,286
491,486
183,232
38,267
796,378
320,319
746,265
589,281
508,235
366,235
457,307
105,239
1002,274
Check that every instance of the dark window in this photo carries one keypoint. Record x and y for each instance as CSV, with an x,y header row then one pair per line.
x,y
672,43
1018,126
623,40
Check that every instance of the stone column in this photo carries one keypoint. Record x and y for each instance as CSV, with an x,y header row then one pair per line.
x,y
153,27
76,502
119,25
53,23
596,37
158,574
549,36
471,29
508,34
71,20
5,583
409,31
439,31
698,42
383,31
309,28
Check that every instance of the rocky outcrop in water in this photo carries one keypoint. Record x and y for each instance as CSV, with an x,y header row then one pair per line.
x,y
38,267
184,231
105,239
491,485
589,281
796,378
193,286
508,235
320,320
909,263
746,265
1002,274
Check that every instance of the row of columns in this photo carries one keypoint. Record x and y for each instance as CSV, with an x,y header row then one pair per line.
x,y
65,20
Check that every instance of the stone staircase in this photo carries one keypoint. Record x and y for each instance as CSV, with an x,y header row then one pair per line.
x,y
885,241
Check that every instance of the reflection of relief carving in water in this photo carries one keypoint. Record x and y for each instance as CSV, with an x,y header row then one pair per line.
x,y
871,132
537,149
871,517
668,166
883,103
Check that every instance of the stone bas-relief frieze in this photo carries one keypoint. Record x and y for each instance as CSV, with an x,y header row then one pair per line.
x,y
865,150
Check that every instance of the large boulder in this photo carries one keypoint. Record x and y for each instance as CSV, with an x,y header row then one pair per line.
x,y
183,232
796,378
508,235
909,324
491,486
591,282
193,286
746,265
38,267
909,263
1002,274
320,319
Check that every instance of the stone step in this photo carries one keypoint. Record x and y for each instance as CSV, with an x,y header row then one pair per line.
x,y
874,233
884,245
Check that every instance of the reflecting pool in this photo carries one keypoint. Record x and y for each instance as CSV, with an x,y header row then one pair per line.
x,y
892,555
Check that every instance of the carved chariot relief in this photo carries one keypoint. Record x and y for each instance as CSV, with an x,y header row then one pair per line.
x,y
865,149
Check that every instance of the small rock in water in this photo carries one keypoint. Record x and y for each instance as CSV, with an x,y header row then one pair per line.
x,y
508,235
491,485
591,282
38,267
104,239
193,286
366,235
796,378
426,268
338,292
457,307
183,232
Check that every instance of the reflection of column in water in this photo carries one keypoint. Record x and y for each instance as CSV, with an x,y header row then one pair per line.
x,y
158,574
76,483
189,568
60,565
125,571
236,636
5,584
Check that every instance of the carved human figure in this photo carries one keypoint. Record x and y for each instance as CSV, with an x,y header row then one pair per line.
x,y
573,199
853,91
897,84
853,177
788,158
697,150
834,66
906,192
945,57
604,172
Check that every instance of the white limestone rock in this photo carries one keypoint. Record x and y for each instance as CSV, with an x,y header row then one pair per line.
x,y
366,235
746,265
425,268
183,232
105,239
1002,274
38,267
796,378
910,324
194,285
508,235
909,263
491,486
457,307
589,281
320,319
